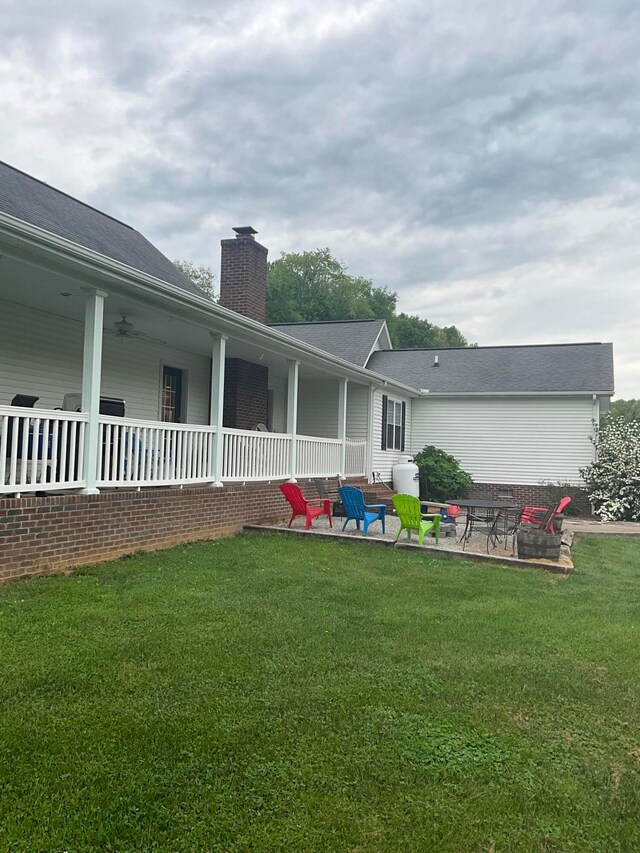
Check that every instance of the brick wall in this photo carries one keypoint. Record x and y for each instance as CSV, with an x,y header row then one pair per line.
x,y
541,495
245,394
243,276
58,533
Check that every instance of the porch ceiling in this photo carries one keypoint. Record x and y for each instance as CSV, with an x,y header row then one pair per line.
x,y
54,293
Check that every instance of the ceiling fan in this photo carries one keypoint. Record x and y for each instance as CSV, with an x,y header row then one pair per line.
x,y
123,330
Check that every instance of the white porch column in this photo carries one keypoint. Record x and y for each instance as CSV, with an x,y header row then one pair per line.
x,y
370,433
218,351
91,372
342,424
292,417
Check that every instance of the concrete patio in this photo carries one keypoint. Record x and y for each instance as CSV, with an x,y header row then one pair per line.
x,y
475,549
593,527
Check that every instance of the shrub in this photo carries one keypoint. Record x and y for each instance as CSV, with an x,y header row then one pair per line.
x,y
613,480
440,474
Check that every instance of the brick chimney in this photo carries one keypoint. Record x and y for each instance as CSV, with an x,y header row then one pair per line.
x,y
243,274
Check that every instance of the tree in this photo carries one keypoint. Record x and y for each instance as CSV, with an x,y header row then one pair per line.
x,y
411,332
627,409
202,276
309,286
613,480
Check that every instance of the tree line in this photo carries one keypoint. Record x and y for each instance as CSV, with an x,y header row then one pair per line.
x,y
305,287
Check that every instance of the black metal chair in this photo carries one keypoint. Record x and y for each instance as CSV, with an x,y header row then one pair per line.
x,y
480,520
507,523
337,509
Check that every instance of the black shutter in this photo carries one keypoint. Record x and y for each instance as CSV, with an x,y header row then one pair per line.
x,y
384,421
404,421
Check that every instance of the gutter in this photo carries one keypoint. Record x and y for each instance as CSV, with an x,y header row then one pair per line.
x,y
425,393
235,324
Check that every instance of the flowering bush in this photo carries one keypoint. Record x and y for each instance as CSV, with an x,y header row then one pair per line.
x,y
613,480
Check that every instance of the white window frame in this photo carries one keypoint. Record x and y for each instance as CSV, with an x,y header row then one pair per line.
x,y
394,421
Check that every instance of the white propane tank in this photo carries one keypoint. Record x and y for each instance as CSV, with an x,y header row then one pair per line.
x,y
406,476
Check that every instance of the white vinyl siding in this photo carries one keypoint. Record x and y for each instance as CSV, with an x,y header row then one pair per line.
x,y
357,410
278,385
41,354
384,460
318,407
523,440
382,342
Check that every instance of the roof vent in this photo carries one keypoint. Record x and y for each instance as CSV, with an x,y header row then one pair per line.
x,y
436,361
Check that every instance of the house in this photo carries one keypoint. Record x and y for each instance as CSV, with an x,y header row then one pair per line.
x,y
516,417
137,413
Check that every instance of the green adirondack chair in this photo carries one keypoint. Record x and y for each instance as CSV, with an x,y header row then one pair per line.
x,y
411,518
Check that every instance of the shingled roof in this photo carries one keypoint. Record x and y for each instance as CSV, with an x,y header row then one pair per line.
x,y
546,368
41,205
351,340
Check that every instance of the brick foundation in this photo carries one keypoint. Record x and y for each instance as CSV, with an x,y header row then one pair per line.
x,y
60,532
540,495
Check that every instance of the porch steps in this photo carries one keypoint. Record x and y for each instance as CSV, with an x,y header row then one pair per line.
x,y
374,493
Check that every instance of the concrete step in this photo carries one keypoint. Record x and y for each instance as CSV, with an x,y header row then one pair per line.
x,y
374,493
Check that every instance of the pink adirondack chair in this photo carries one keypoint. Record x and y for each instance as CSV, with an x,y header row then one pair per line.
x,y
301,506
542,517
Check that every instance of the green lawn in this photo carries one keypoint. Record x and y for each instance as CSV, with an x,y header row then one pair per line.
x,y
272,693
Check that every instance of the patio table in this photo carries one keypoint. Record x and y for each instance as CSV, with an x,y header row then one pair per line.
x,y
486,512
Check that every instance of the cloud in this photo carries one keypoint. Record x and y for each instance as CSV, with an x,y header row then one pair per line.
x,y
479,159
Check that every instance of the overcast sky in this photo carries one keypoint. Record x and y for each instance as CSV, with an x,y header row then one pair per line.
x,y
481,158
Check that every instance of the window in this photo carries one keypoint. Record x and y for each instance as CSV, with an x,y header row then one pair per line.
x,y
171,395
393,424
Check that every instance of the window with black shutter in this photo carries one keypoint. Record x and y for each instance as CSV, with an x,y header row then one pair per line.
x,y
393,424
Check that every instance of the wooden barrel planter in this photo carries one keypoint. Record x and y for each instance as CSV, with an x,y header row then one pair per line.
x,y
534,545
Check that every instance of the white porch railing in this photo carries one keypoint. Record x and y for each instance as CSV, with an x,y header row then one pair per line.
x,y
318,457
250,455
40,449
355,458
150,453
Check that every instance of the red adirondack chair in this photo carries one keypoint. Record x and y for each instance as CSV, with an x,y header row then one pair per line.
x,y
301,506
541,516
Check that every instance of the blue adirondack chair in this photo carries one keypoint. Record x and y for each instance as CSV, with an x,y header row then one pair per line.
x,y
357,510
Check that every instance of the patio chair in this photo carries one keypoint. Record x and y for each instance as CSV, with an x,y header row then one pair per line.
x,y
301,506
482,520
412,518
506,526
542,518
358,511
337,507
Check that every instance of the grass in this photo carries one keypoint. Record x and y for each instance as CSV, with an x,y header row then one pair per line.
x,y
272,693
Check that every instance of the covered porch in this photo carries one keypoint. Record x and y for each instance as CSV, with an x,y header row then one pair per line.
x,y
191,400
